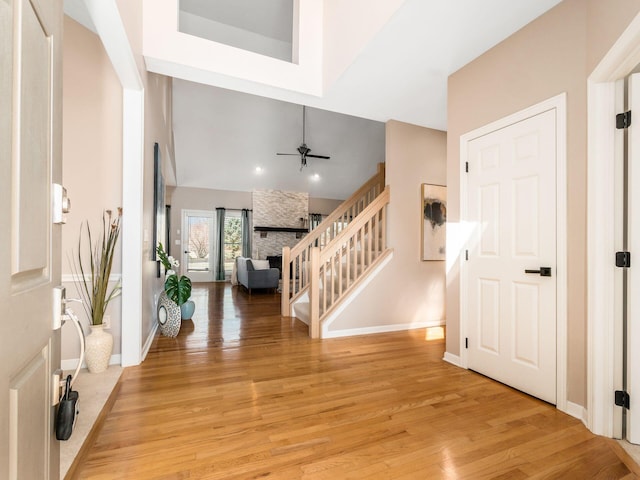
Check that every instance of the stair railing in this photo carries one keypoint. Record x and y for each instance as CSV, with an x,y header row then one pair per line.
x,y
336,269
294,259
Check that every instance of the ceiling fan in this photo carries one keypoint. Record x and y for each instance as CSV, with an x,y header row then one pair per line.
x,y
303,150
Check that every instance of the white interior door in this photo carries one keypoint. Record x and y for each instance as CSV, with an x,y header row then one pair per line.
x,y
511,203
30,146
633,273
197,245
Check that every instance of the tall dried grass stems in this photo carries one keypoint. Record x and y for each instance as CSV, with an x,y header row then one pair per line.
x,y
92,280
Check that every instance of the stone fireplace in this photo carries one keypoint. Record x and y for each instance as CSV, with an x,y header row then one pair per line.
x,y
280,219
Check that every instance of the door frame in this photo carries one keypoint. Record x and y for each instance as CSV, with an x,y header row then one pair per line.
x,y
559,103
184,241
109,26
604,343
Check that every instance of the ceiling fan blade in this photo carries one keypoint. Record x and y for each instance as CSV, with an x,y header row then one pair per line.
x,y
318,156
294,154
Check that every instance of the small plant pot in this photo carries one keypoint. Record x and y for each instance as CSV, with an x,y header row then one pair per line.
x,y
187,309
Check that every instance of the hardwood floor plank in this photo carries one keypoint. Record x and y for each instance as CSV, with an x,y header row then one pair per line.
x,y
244,393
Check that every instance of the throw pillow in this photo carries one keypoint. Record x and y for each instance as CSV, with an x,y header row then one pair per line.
x,y
260,264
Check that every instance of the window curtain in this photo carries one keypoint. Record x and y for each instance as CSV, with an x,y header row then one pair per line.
x,y
247,220
218,266
314,220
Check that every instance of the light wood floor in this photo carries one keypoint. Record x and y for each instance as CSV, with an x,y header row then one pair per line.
x,y
243,393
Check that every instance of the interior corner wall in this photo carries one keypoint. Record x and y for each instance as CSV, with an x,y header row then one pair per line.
x,y
407,292
92,158
190,198
158,115
551,55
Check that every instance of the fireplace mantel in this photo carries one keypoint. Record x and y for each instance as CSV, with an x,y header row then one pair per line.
x,y
281,229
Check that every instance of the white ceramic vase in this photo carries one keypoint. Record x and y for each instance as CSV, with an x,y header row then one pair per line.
x,y
98,348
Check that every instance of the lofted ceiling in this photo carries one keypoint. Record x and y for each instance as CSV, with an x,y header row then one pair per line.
x,y
399,73
222,137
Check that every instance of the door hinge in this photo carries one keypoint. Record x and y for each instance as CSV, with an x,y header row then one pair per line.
x,y
466,167
623,259
622,399
466,255
466,342
623,120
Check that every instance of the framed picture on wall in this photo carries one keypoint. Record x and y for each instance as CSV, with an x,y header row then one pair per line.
x,y
434,222
159,205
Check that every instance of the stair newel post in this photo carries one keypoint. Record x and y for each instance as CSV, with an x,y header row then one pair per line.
x,y
381,176
314,292
285,308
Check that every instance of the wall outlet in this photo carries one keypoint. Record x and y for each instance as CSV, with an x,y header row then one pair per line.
x,y
106,321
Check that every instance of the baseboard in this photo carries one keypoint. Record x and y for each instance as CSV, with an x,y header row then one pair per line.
x,y
452,359
359,288
380,329
577,411
148,342
71,364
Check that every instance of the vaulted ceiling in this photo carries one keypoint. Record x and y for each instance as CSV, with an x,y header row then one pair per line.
x,y
399,70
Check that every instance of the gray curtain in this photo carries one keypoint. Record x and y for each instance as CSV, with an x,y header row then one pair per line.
x,y
314,220
219,252
247,220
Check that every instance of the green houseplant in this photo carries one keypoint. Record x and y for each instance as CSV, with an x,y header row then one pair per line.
x,y
178,290
92,270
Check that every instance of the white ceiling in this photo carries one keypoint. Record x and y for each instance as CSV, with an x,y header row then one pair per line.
x,y
269,18
221,137
401,74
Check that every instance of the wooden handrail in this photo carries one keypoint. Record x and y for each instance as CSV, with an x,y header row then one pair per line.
x,y
296,259
328,286
338,213
360,221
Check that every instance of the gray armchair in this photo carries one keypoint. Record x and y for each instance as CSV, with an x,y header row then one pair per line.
x,y
251,278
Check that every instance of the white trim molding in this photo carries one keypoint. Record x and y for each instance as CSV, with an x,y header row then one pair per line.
x,y
381,329
326,333
106,18
559,104
603,289
70,364
577,411
452,359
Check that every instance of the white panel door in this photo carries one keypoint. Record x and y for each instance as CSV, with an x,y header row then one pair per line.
x,y
512,205
633,273
30,146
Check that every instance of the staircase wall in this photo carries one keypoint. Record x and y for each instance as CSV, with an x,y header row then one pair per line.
x,y
406,293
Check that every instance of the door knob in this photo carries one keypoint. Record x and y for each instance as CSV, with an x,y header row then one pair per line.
x,y
543,272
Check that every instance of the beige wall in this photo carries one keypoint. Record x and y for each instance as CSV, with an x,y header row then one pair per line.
x,y
407,292
157,128
92,156
188,198
551,55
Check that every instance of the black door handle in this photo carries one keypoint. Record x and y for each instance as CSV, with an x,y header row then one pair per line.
x,y
543,272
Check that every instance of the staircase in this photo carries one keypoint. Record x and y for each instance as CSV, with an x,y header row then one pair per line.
x,y
331,261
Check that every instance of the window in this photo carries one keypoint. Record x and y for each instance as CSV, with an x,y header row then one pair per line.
x,y
232,239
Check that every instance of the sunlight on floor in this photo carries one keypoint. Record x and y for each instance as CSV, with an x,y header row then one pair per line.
x,y
434,333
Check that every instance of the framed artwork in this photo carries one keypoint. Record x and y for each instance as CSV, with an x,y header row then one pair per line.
x,y
159,205
434,222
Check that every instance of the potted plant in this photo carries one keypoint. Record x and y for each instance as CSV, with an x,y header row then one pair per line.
x,y
92,271
177,289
